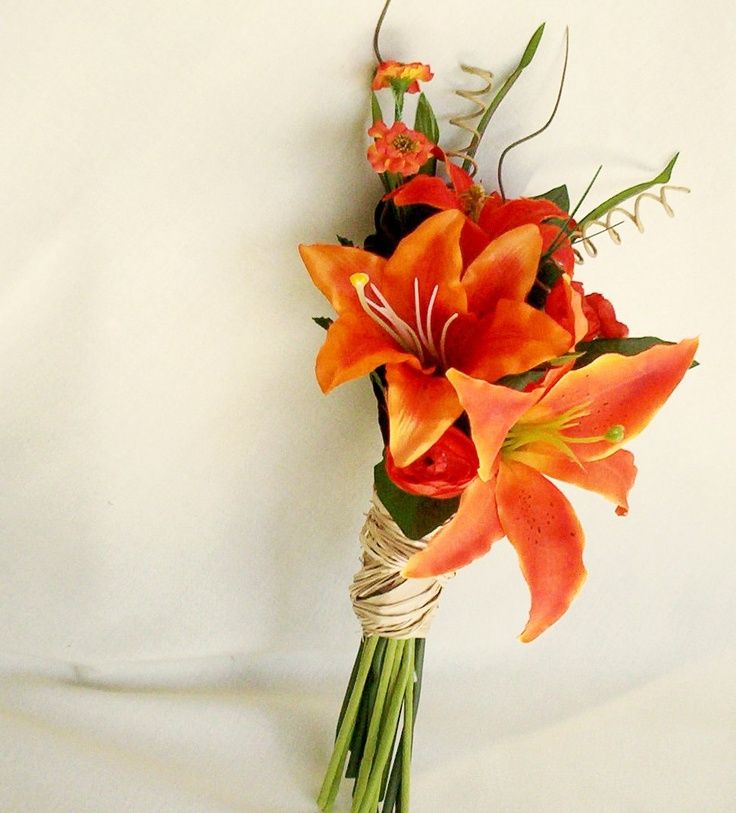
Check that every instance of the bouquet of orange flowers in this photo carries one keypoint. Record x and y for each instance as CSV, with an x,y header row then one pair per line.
x,y
495,372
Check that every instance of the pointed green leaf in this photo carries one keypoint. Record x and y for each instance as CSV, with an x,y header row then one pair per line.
x,y
425,121
345,241
531,48
520,381
527,56
605,207
559,196
376,112
626,347
416,516
323,321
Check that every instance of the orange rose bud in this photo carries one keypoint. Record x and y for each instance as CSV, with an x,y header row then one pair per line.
x,y
443,471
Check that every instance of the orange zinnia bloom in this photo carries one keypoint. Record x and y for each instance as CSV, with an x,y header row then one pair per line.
x,y
571,429
422,312
408,73
398,149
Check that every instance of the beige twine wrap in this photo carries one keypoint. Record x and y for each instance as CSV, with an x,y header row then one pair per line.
x,y
384,601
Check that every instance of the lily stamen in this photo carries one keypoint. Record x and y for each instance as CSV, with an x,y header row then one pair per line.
x,y
420,341
359,281
417,312
399,324
552,433
430,338
443,339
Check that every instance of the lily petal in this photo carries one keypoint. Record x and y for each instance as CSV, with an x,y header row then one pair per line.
x,y
620,390
612,477
565,305
425,189
354,347
470,534
520,337
492,411
421,408
472,241
506,269
331,267
429,256
461,180
495,221
543,528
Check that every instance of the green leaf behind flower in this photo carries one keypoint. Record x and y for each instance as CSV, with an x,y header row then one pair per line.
x,y
323,321
416,516
376,112
520,381
559,196
626,347
425,122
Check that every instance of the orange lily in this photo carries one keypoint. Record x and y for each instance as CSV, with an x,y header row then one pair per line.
x,y
421,312
571,428
489,216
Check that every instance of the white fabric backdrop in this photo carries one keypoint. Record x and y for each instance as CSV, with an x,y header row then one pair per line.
x,y
179,504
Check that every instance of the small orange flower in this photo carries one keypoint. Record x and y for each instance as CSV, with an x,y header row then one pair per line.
x,y
409,74
398,149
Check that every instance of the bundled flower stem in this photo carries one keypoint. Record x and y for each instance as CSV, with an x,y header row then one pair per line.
x,y
495,373
375,730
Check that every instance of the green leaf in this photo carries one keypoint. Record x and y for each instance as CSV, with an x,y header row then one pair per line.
x,y
527,56
531,48
605,207
345,241
323,321
416,516
559,196
520,381
626,347
425,121
376,112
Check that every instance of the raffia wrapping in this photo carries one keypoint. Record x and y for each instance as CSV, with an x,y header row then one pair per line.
x,y
386,603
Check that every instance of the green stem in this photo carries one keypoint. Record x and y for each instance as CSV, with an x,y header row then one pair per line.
x,y
397,664
357,741
391,798
369,801
367,760
349,689
408,734
331,782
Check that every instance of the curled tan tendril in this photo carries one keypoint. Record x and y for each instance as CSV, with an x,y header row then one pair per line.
x,y
609,226
465,122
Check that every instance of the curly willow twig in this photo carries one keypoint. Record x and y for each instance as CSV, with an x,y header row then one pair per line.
x,y
608,225
464,122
